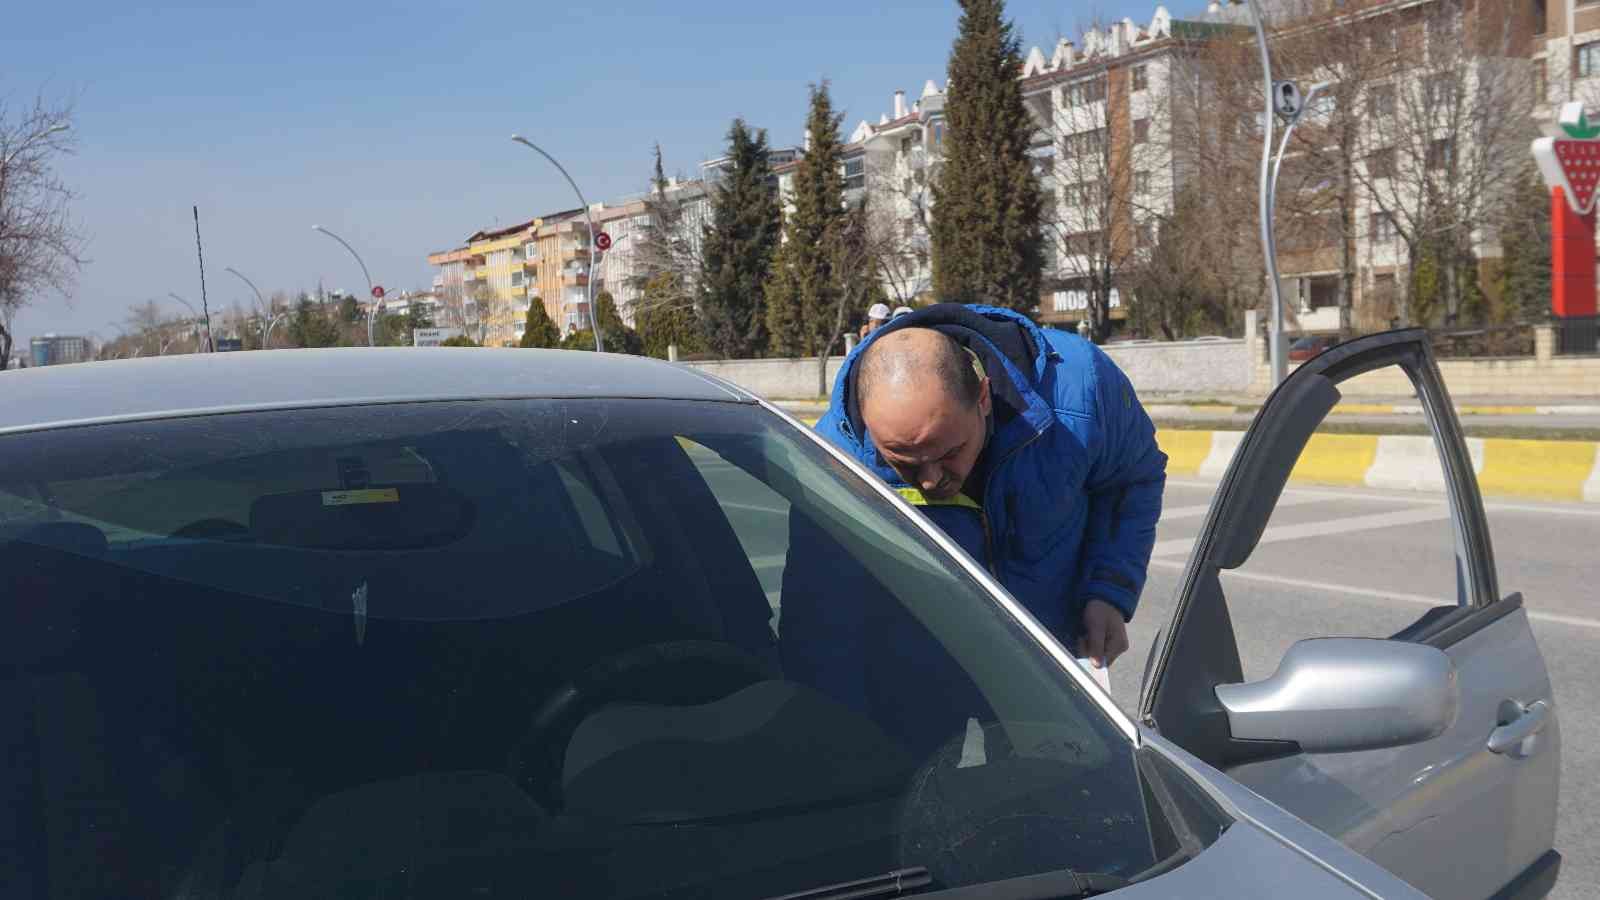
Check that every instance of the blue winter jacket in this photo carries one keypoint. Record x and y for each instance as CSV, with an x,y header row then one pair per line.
x,y
1069,510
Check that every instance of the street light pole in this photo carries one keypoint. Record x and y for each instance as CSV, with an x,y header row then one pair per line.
x,y
368,275
266,312
195,313
1279,364
1269,237
594,321
266,336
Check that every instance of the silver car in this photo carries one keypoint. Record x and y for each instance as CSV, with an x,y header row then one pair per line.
x,y
430,623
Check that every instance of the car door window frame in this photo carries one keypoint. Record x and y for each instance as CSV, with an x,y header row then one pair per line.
x,y
1199,647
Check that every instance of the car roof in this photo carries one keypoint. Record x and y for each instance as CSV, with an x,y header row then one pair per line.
x,y
209,383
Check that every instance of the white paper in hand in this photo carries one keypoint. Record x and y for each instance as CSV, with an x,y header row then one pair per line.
x,y
1101,676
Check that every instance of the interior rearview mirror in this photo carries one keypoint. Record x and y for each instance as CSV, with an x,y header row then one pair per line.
x,y
1336,695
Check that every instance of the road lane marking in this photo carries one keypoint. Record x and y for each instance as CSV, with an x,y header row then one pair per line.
x,y
1191,512
1404,498
1351,590
1325,528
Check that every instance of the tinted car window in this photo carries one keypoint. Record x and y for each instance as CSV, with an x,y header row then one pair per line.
x,y
514,648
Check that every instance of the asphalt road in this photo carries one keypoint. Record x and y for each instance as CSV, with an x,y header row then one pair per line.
x,y
1350,562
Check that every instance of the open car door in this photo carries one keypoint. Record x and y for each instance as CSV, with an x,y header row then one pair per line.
x,y
1464,807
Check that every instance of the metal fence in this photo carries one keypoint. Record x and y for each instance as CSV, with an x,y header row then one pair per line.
x,y
1578,335
1490,340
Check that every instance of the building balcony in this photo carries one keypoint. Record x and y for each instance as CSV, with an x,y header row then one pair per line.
x,y
574,279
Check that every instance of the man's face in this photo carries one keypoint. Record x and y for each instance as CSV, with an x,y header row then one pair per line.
x,y
929,437
875,324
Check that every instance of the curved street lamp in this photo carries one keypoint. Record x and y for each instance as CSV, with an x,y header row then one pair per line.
x,y
1265,198
594,321
193,312
373,309
267,318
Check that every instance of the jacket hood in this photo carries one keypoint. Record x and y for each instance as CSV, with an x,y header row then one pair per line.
x,y
1013,352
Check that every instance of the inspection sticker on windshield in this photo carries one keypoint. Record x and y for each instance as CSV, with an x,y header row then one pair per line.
x,y
365,495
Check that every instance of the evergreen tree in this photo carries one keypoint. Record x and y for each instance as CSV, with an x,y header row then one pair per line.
x,y
665,321
803,289
1523,281
738,248
459,340
986,240
311,327
539,330
615,334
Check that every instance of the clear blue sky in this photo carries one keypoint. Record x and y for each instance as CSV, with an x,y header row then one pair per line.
x,y
389,123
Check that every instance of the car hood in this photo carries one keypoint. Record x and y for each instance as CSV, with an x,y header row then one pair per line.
x,y
1266,852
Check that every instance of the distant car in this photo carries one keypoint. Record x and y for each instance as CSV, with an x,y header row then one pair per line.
x,y
425,623
1305,348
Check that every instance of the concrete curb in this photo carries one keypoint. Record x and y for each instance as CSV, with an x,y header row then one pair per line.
x,y
1506,467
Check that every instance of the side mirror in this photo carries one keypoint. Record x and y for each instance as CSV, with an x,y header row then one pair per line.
x,y
1336,695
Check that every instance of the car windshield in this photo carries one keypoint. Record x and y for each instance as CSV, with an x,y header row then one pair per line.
x,y
599,648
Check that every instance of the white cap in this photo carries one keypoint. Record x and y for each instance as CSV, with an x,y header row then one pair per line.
x,y
902,311
879,311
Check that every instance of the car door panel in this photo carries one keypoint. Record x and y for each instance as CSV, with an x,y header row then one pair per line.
x,y
1449,815
1448,799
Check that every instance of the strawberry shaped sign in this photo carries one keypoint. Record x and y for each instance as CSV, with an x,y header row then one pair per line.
x,y
1572,161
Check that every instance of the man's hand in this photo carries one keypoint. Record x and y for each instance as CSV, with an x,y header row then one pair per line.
x,y
1105,634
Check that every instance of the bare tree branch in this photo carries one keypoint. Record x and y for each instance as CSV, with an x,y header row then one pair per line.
x,y
41,248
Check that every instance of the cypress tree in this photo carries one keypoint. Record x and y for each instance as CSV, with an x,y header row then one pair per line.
x,y
986,242
738,248
539,331
618,337
802,292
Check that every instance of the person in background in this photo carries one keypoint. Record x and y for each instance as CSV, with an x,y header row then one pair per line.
x,y
877,317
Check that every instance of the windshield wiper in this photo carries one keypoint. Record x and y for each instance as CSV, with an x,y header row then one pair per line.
x,y
886,885
1061,884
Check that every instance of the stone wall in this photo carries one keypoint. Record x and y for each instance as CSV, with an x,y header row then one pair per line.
x,y
1196,368
774,379
1541,376
1233,369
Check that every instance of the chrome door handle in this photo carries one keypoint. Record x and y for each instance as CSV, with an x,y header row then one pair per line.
x,y
1511,737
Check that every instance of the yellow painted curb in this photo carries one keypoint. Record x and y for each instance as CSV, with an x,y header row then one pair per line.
x,y
1336,459
1185,450
1497,410
1347,409
1555,470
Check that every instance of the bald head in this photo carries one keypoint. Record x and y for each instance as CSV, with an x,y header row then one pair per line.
x,y
917,360
925,406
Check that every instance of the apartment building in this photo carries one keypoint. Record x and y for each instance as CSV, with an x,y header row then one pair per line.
x,y
563,269
495,276
1567,51
1436,94
618,269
